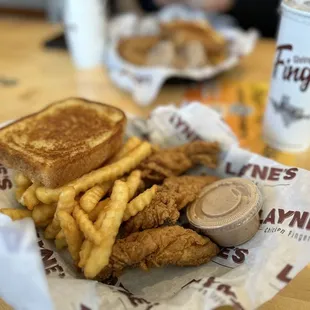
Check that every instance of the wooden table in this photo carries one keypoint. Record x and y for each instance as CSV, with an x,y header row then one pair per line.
x,y
31,77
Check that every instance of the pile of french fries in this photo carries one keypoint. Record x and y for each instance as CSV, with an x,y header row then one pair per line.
x,y
80,215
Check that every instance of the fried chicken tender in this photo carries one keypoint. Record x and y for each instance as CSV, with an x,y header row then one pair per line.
x,y
180,44
171,245
162,210
176,161
182,32
135,49
175,194
187,188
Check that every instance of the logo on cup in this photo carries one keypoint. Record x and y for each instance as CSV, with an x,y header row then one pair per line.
x,y
289,113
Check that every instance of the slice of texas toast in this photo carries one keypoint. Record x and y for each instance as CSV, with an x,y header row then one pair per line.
x,y
62,142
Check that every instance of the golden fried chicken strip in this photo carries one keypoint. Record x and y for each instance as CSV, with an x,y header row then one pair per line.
x,y
176,161
202,153
187,188
162,210
182,32
135,49
175,194
171,245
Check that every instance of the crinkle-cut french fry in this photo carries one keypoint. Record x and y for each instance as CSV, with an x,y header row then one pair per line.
x,y
131,144
44,224
86,226
133,182
93,215
29,198
66,203
99,256
21,180
19,192
73,235
22,183
42,213
16,214
61,243
66,200
101,215
101,175
60,235
97,216
91,198
47,195
139,203
85,252
52,230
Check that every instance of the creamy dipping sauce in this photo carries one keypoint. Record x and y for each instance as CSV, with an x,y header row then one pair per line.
x,y
227,211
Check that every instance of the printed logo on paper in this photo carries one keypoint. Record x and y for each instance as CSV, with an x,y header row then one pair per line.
x,y
5,182
262,173
221,293
291,223
50,262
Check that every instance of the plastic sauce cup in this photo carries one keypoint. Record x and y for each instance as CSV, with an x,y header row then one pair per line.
x,y
227,211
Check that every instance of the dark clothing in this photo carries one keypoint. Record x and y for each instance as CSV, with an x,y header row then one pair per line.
x,y
260,14
148,5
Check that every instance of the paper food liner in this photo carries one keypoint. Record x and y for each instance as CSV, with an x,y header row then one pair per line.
x,y
144,83
244,277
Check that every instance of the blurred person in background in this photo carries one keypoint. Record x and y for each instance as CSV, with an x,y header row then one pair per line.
x,y
260,14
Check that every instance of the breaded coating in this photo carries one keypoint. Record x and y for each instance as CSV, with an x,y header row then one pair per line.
x,y
162,210
176,161
175,194
171,245
188,187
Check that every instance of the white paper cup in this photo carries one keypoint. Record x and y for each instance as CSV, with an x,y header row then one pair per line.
x,y
287,116
85,29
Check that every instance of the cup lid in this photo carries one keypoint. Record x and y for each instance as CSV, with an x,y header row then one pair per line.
x,y
225,205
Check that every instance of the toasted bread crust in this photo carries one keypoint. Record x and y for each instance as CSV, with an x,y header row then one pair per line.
x,y
70,157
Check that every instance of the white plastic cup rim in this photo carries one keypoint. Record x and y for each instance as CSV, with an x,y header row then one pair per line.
x,y
297,11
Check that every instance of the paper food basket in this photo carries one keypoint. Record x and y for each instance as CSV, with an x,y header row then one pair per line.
x,y
243,277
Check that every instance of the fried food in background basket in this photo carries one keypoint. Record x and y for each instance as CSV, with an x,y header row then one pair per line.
x,y
180,45
135,49
181,32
